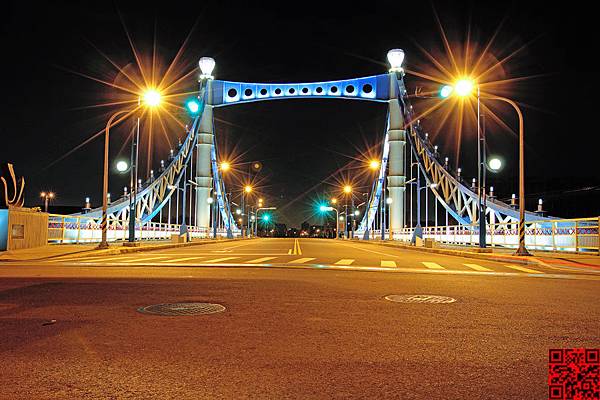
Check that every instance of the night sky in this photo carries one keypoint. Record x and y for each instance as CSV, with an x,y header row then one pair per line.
x,y
300,143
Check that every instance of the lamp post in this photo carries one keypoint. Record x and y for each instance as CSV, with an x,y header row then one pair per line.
x,y
151,99
47,196
463,88
256,218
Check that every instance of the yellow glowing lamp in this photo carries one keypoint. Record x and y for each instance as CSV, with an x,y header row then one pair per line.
x,y
152,98
464,87
248,188
374,164
225,166
347,189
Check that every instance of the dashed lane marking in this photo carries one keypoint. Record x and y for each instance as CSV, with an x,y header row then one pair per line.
x,y
387,263
477,267
174,260
216,260
143,259
432,265
302,260
260,260
523,269
345,261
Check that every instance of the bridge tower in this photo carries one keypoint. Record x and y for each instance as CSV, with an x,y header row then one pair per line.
x,y
397,140
204,149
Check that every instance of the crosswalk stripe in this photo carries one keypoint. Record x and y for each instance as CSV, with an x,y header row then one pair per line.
x,y
145,259
180,259
214,260
477,267
260,260
432,265
301,260
345,261
523,269
386,263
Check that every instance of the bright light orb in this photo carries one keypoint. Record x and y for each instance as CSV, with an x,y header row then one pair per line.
x,y
209,200
464,87
374,164
122,166
395,58
495,164
389,200
322,208
193,106
225,166
446,91
347,189
248,188
152,98
207,64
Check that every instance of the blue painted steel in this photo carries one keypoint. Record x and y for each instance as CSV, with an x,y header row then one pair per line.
x,y
371,88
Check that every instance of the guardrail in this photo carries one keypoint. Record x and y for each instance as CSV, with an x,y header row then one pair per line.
x,y
581,235
70,229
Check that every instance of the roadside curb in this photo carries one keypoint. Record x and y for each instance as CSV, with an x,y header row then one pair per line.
x,y
121,250
462,253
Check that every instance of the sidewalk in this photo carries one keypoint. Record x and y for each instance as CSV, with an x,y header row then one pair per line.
x,y
87,250
545,258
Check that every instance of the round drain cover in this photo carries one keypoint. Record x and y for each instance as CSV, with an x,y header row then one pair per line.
x,y
177,309
419,298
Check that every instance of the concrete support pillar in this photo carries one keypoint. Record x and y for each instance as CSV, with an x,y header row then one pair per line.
x,y
396,176
204,170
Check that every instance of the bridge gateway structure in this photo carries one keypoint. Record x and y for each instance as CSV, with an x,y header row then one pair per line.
x,y
404,145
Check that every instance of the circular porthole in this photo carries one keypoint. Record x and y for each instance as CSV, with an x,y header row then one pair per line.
x,y
334,89
263,92
367,88
319,90
278,91
305,90
248,92
232,93
350,89
291,90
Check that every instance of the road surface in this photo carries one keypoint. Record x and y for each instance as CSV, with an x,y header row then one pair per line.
x,y
303,319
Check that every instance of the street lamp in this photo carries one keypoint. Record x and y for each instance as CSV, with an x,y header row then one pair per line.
x,y
463,88
396,58
151,98
207,65
374,164
324,208
122,166
47,196
225,166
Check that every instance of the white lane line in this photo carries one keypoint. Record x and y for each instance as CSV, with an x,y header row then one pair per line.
x,y
144,259
477,267
174,260
215,260
345,261
387,263
523,269
432,265
302,260
259,260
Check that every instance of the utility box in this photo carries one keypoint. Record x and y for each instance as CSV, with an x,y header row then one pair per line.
x,y
430,243
22,228
177,238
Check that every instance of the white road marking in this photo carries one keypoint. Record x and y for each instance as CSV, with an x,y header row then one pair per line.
x,y
387,263
477,267
260,260
174,260
523,269
432,265
302,260
345,261
144,259
215,260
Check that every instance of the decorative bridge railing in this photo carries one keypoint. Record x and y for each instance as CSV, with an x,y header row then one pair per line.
x,y
69,229
568,235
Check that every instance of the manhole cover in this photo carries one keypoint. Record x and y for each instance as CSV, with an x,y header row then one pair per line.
x,y
419,298
177,309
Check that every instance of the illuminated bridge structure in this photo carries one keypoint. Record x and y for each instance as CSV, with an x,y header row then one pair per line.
x,y
405,153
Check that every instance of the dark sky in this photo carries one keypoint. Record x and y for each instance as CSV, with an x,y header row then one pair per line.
x,y
301,143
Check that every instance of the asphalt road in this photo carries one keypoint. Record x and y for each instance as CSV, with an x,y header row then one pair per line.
x,y
310,329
